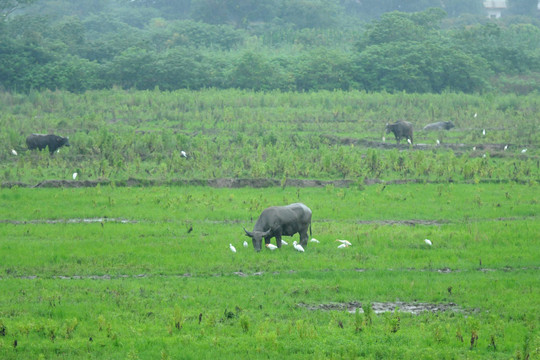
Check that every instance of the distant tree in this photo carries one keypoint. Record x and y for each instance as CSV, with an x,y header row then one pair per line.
x,y
9,6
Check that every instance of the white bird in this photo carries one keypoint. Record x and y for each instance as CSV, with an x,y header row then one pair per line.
x,y
474,148
183,153
409,141
505,147
271,246
475,114
245,244
484,155
484,132
346,242
315,240
427,241
523,151
74,175
383,139
233,249
298,246
438,142
283,242
342,246
13,152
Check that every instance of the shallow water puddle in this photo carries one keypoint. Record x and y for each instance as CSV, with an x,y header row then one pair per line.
x,y
382,307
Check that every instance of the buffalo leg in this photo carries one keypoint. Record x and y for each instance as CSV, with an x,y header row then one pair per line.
x,y
303,239
278,241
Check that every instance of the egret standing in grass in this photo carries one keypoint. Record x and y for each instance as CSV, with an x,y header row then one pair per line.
x,y
484,132
505,147
74,175
283,242
427,241
314,240
271,246
13,152
523,151
245,244
438,142
342,246
346,242
233,249
183,153
409,141
383,139
298,247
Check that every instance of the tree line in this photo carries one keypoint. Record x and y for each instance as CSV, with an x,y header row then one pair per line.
x,y
288,45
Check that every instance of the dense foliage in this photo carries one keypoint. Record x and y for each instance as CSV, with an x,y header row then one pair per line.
x,y
267,45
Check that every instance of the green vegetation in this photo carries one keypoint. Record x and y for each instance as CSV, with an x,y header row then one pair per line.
x,y
288,45
132,282
118,135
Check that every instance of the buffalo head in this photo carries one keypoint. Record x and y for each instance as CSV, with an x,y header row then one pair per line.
x,y
256,238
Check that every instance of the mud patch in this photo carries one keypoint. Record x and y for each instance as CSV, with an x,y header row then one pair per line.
x,y
69,221
414,308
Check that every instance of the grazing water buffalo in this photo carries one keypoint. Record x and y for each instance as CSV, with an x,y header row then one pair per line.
x,y
401,129
441,125
39,141
277,221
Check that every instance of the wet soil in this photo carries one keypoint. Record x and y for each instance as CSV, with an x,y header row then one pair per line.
x,y
231,183
382,307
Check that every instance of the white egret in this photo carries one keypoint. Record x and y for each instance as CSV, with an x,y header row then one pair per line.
x,y
475,114
484,132
74,175
13,152
484,156
183,153
523,151
342,246
427,241
383,139
346,242
271,246
315,240
233,249
283,242
409,141
245,244
438,142
298,247
474,148
505,147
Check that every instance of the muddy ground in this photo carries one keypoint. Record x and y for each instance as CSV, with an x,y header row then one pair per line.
x,y
382,307
225,183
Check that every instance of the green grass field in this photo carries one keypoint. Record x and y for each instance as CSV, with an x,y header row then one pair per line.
x,y
113,273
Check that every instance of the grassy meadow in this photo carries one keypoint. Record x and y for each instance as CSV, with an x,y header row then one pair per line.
x,y
112,272
132,271
120,135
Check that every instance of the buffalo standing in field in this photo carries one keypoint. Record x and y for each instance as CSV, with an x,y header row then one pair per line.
x,y
40,142
401,129
441,125
277,221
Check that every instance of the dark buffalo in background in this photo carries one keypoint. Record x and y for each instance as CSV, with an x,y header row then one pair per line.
x,y
40,142
441,125
277,221
401,129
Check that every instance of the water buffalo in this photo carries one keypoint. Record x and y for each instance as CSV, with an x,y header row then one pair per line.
x,y
277,221
40,141
401,129
441,125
